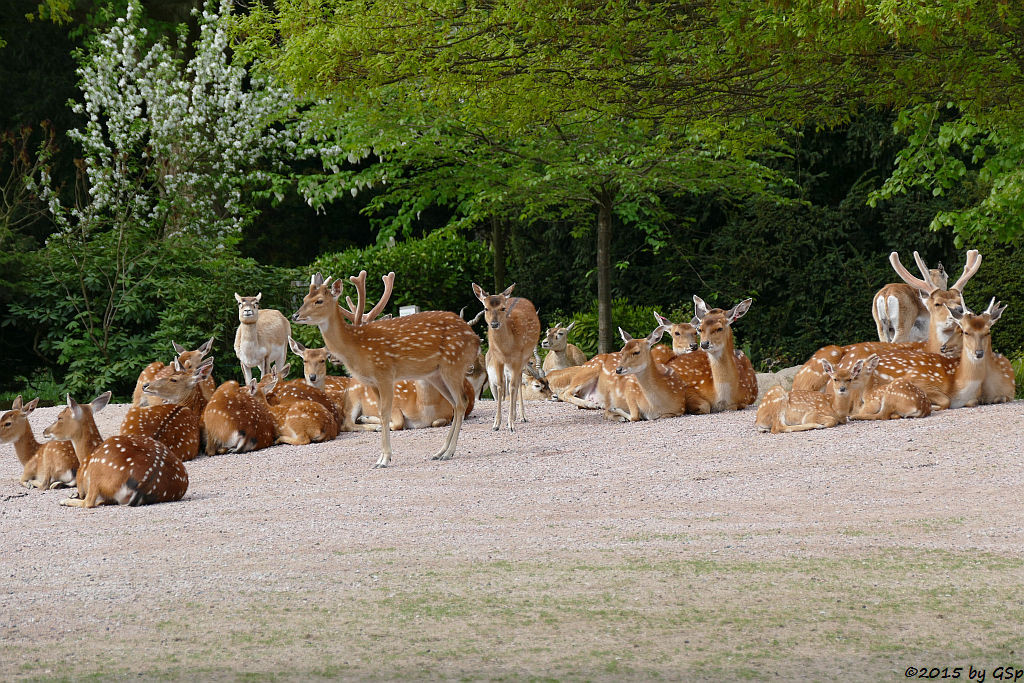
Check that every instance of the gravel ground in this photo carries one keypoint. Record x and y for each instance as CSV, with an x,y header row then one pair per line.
x,y
290,528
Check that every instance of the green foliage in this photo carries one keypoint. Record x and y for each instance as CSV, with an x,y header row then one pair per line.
x,y
1001,276
434,273
1018,372
100,340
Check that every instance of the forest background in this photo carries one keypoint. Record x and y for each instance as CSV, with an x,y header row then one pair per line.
x,y
611,159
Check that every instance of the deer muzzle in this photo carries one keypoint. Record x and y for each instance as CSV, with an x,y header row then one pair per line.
x,y
979,354
705,345
495,325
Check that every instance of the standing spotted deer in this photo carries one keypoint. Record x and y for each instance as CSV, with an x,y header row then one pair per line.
x,y
48,465
262,336
513,330
561,354
124,469
435,346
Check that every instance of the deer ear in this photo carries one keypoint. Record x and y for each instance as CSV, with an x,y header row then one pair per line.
x,y
655,336
296,347
177,366
259,295
204,370
178,348
283,372
205,348
238,298
700,309
739,310
336,287
100,402
508,290
76,410
827,367
16,404
30,406
625,335
479,293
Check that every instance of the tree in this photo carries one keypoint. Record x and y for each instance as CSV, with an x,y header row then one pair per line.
x,y
173,155
494,112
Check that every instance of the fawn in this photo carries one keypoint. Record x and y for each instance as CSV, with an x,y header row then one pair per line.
x,y
48,465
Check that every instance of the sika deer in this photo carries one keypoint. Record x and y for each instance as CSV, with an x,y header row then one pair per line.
x,y
236,420
262,336
943,334
978,375
171,423
649,390
561,354
434,346
723,376
901,310
513,329
798,411
187,360
297,421
876,400
124,469
48,465
684,339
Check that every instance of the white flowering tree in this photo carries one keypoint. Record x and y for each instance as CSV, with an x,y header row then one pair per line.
x,y
175,155
172,146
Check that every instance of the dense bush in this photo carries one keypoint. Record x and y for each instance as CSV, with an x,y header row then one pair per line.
x,y
96,338
638,321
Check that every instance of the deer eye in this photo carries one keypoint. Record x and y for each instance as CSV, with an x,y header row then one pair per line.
x,y
7,424
319,301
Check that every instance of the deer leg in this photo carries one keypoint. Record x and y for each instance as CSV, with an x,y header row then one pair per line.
x,y
387,398
451,389
498,389
246,372
513,384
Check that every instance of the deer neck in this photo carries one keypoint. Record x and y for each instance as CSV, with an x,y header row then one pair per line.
x,y
970,374
25,446
724,372
504,338
937,337
195,401
339,336
87,439
654,384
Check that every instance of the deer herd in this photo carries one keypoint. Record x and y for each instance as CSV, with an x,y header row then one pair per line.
x,y
427,370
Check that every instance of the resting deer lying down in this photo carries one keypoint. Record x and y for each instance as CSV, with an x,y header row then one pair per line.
x,y
798,411
186,361
561,354
874,399
48,465
124,469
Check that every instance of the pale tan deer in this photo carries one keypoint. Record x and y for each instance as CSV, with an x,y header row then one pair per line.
x,y
797,411
684,339
561,354
236,420
944,336
901,311
437,347
124,469
723,376
646,389
186,360
956,382
48,465
513,330
535,385
262,336
874,399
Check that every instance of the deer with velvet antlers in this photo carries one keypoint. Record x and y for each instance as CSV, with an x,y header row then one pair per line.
x,y
944,335
434,346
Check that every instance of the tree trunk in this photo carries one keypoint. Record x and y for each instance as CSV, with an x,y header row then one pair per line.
x,y
604,273
498,246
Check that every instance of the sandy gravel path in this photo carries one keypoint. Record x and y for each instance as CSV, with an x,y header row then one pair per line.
x,y
305,562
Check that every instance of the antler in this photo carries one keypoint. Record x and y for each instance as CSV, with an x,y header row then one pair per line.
x,y
925,272
354,312
970,268
894,259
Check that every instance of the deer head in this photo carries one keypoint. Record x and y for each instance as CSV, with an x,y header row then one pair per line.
x,y
177,386
314,362
684,335
932,289
977,328
557,337
248,308
496,306
636,354
13,422
70,422
715,324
